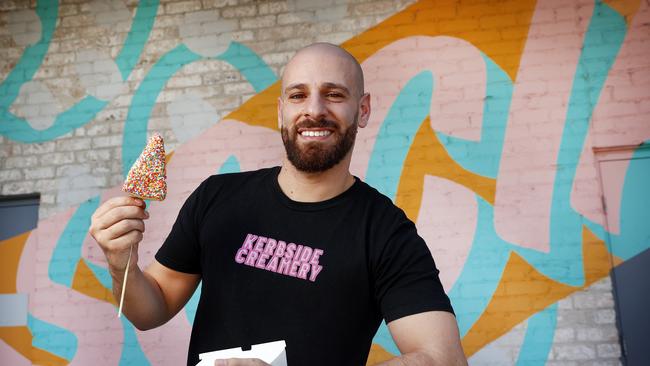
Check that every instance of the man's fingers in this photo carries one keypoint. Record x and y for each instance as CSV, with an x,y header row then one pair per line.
x,y
117,225
118,214
117,202
124,226
125,241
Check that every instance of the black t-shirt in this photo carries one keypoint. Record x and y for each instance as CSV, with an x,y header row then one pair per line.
x,y
320,276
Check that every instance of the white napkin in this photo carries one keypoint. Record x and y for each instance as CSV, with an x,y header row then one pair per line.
x,y
273,353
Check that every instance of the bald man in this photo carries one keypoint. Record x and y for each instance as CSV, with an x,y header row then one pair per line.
x,y
305,252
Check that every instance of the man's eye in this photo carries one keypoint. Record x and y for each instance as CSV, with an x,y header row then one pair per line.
x,y
334,95
297,96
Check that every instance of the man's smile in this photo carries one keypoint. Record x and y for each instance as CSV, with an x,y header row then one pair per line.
x,y
314,134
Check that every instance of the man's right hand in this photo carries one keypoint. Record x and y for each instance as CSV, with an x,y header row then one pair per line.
x,y
152,296
117,225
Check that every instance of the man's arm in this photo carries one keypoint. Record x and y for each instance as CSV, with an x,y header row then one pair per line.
x,y
427,339
154,296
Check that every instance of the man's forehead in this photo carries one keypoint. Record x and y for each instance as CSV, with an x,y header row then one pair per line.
x,y
325,65
313,66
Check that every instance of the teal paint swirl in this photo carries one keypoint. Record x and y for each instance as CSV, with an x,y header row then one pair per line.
x,y
483,157
52,338
32,58
397,133
144,99
249,64
132,353
138,34
539,338
17,129
231,165
482,271
67,251
135,128
12,127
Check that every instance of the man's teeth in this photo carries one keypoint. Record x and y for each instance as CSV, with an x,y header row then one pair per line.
x,y
315,133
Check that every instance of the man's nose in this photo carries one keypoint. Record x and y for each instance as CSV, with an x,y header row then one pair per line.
x,y
315,107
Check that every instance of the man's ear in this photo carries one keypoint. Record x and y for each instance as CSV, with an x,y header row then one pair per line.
x,y
280,112
364,110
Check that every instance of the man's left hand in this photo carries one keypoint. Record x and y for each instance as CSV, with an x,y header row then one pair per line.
x,y
240,362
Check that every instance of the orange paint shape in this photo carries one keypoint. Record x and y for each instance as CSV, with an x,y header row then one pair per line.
x,y
85,282
20,339
10,252
260,110
524,291
627,8
427,156
498,29
378,354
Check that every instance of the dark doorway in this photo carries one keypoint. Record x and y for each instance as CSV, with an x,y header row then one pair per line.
x,y
18,214
631,279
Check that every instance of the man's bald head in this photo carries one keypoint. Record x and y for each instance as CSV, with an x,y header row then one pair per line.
x,y
309,57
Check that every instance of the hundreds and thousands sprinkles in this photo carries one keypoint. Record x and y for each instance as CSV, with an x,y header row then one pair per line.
x,y
146,178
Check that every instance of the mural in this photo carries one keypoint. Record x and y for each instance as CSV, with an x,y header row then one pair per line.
x,y
483,132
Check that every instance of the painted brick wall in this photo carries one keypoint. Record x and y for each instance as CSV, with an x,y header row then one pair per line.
x,y
486,116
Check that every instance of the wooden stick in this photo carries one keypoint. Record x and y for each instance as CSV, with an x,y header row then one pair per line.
x,y
126,275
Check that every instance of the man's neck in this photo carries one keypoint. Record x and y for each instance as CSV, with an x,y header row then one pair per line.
x,y
314,187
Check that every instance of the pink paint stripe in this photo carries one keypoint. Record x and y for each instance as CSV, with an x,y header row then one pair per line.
x,y
447,222
526,177
586,192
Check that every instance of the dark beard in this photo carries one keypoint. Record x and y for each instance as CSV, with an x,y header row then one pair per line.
x,y
313,157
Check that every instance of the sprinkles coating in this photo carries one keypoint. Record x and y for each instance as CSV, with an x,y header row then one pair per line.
x,y
146,179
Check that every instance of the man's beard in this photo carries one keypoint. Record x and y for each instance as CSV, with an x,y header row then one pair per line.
x,y
314,157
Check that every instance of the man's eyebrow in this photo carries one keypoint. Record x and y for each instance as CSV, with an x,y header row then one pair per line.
x,y
327,85
336,86
294,86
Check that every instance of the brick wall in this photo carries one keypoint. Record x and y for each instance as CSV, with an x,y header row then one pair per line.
x,y
485,119
89,156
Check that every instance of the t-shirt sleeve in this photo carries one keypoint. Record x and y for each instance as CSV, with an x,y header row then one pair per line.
x,y
407,281
181,250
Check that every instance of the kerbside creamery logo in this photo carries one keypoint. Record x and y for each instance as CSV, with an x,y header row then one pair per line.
x,y
295,260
